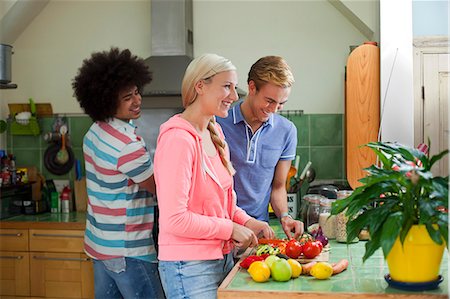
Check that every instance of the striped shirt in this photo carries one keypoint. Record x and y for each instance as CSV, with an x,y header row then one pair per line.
x,y
120,216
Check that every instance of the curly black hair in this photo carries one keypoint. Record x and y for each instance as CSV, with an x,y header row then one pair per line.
x,y
102,76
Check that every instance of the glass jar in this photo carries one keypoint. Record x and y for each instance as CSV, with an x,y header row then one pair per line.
x,y
342,219
327,221
312,213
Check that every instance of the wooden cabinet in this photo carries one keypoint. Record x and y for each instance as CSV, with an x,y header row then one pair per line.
x,y
63,275
45,263
14,262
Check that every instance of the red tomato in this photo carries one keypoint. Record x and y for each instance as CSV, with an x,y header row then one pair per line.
x,y
320,244
293,249
311,250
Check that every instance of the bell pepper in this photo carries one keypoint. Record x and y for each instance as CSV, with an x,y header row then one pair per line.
x,y
252,258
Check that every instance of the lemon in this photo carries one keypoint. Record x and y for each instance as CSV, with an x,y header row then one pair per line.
x,y
296,268
322,270
259,271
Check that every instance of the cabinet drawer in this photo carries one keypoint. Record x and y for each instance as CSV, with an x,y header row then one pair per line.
x,y
56,240
13,240
14,273
66,275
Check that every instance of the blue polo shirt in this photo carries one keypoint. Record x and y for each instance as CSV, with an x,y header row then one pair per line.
x,y
255,155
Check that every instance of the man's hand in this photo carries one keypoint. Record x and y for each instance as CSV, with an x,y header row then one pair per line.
x,y
288,224
260,228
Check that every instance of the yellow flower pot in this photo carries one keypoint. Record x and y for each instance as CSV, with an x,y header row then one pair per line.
x,y
418,260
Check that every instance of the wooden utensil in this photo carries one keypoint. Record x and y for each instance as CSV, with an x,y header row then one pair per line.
x,y
81,197
362,109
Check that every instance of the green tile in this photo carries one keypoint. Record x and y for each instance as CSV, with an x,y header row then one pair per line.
x,y
78,128
303,152
327,162
47,124
326,130
26,141
302,124
28,157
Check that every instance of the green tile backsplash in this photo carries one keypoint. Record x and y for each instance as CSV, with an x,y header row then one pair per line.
x,y
29,150
320,140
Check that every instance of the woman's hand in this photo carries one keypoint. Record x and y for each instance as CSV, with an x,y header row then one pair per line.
x,y
260,228
243,237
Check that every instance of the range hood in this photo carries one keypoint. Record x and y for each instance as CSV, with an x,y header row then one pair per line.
x,y
172,50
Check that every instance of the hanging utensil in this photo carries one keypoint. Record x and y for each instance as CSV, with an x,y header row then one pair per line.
x,y
62,156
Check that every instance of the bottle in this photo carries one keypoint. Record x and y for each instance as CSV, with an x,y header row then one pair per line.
x,y
54,203
342,219
65,200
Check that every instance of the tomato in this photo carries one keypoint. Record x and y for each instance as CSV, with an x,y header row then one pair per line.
x,y
293,249
320,244
311,250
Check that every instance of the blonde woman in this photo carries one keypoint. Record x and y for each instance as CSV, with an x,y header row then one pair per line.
x,y
199,220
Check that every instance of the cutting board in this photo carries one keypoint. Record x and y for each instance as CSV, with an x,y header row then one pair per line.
x,y
362,110
81,197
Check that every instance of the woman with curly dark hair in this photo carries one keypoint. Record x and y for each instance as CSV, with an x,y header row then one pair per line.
x,y
119,171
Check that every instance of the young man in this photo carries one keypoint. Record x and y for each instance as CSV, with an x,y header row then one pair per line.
x,y
262,143
119,171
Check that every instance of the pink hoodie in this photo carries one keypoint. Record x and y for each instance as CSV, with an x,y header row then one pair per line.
x,y
196,213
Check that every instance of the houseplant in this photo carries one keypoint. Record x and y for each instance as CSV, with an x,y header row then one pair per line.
x,y
396,200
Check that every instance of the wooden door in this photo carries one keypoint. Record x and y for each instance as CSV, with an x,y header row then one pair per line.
x,y
62,275
14,273
435,106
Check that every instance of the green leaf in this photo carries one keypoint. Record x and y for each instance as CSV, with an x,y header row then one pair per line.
x,y
390,232
371,246
435,234
437,157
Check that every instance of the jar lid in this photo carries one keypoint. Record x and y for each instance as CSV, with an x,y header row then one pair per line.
x,y
344,194
313,198
326,202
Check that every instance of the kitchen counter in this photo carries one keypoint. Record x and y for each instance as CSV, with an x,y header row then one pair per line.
x,y
70,221
359,280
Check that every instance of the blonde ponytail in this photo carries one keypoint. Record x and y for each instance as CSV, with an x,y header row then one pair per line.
x,y
220,145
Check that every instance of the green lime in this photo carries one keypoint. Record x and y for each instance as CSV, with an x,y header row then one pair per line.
x,y
3,126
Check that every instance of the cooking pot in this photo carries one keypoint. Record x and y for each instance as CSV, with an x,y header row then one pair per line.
x,y
50,159
5,63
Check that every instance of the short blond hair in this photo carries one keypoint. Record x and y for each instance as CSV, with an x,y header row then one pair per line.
x,y
271,69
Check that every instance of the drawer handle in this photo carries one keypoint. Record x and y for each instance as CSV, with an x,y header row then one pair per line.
x,y
86,259
11,235
57,235
19,257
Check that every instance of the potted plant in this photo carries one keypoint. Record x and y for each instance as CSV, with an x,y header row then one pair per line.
x,y
400,203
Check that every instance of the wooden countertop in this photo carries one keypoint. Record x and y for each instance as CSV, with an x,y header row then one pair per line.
x,y
70,221
360,280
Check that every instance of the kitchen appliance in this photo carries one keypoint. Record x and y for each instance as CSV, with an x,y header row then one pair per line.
x,y
14,200
172,43
5,67
362,109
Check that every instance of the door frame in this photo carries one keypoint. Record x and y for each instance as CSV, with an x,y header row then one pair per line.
x,y
424,45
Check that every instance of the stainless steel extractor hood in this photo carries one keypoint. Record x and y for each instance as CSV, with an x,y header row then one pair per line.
x,y
172,50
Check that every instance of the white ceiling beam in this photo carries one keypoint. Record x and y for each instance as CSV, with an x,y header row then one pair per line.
x,y
353,18
17,19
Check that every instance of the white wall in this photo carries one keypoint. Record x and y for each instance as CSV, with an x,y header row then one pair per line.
x,y
52,48
312,35
397,100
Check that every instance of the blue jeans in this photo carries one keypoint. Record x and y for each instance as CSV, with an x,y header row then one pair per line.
x,y
194,279
126,278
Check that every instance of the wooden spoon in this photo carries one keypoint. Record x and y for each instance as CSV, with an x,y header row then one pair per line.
x,y
62,156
